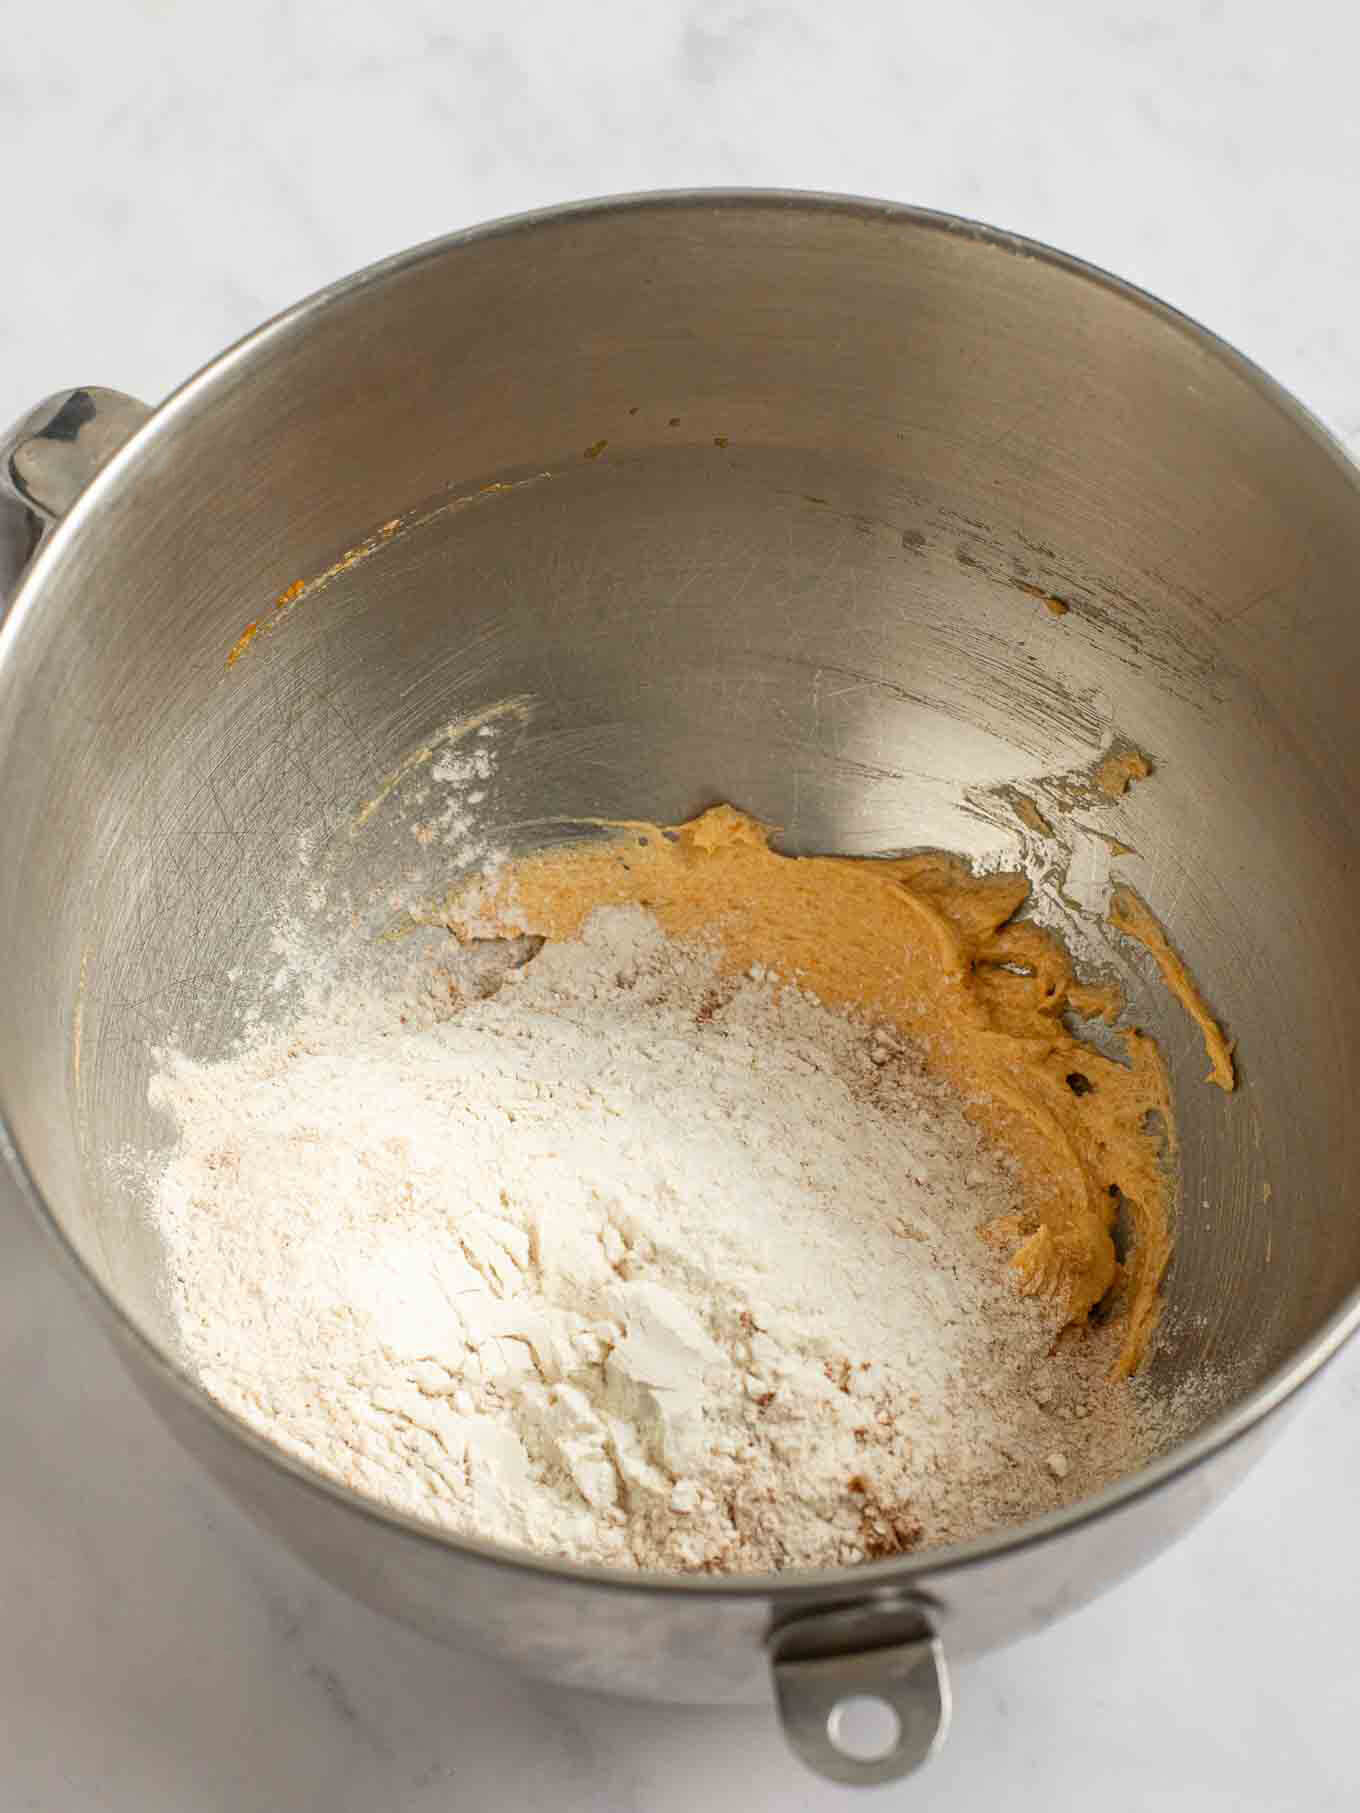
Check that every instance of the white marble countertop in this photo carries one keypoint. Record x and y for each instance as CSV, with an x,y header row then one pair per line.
x,y
177,173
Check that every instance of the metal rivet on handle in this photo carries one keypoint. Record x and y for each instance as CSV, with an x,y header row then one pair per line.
x,y
862,1691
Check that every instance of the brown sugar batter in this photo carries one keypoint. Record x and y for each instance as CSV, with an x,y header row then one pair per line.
x,y
1131,914
1119,770
926,946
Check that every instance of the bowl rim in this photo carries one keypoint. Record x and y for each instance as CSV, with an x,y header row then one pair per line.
x,y
865,1578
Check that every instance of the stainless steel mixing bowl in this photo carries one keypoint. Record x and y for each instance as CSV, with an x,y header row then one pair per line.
x,y
753,497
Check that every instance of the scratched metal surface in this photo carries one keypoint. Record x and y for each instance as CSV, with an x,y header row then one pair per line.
x,y
804,573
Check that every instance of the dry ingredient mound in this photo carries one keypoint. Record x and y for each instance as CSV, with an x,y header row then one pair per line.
x,y
600,1250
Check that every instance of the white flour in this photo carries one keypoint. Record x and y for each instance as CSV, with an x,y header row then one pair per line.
x,y
621,1262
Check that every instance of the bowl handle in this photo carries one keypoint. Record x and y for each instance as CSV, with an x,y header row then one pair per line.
x,y
46,461
862,1690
